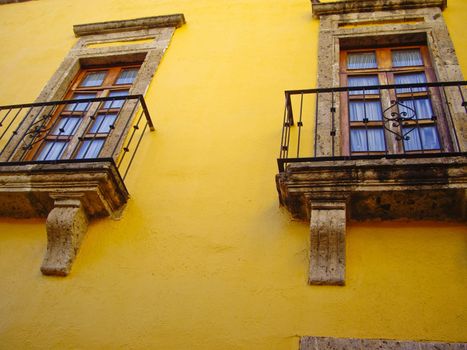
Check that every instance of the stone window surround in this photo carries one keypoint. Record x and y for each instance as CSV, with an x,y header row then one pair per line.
x,y
72,193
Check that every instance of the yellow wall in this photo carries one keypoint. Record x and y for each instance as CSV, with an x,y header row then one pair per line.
x,y
203,257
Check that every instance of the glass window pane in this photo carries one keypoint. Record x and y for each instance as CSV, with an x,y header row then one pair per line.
x,y
429,138
412,78
52,150
361,60
416,109
103,123
406,58
66,126
79,107
127,76
116,103
370,110
367,140
363,80
94,79
90,149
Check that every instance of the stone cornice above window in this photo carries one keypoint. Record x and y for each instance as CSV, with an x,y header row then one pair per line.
x,y
352,6
175,20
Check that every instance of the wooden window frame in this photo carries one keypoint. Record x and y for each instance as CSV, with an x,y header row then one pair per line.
x,y
386,73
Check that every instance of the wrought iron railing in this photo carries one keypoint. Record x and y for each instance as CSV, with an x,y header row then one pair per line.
x,y
84,130
322,124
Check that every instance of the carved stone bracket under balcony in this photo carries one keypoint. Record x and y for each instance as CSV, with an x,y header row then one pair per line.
x,y
327,192
68,193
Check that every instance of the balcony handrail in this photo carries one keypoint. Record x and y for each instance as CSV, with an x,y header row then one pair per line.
x,y
25,126
374,87
327,137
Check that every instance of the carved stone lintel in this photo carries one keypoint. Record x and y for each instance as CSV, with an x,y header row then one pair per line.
x,y
66,225
327,238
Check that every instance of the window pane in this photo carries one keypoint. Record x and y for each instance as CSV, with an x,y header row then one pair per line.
x,y
363,80
79,107
406,58
361,60
429,138
103,123
368,109
416,109
52,150
116,103
412,78
90,149
367,140
66,126
127,76
94,79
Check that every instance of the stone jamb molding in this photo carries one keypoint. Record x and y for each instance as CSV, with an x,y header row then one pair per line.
x,y
353,6
329,343
70,193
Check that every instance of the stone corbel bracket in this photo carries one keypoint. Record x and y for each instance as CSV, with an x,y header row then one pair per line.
x,y
328,192
69,194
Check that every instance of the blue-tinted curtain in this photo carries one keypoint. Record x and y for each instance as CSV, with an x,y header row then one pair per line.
x,y
363,80
90,149
66,126
412,78
429,138
127,76
421,106
359,137
116,103
406,58
102,123
361,60
52,150
80,107
369,109
94,79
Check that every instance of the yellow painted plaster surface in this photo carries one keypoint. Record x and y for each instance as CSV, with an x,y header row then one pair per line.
x,y
203,257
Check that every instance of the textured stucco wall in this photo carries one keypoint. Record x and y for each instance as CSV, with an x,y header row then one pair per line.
x,y
203,257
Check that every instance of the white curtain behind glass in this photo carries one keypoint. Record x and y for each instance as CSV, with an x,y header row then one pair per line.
x,y
406,58
363,80
412,78
421,106
359,137
90,149
361,60
429,138
52,150
369,109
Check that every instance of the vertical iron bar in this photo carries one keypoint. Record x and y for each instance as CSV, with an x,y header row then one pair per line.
x,y
281,153
416,122
333,130
126,148
27,130
464,104
365,121
300,125
136,149
451,119
130,117
315,150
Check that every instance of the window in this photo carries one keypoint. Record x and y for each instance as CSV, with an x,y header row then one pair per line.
x,y
90,122
396,120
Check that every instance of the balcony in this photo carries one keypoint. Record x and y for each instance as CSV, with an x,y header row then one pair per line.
x,y
67,161
371,152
